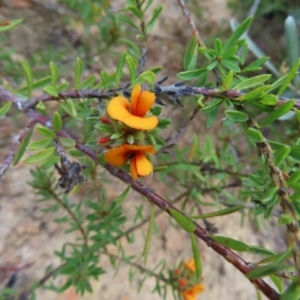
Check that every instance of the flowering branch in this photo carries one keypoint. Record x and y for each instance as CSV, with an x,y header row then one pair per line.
x,y
200,232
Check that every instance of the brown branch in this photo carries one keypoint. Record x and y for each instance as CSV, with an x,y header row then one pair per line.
x,y
171,92
191,23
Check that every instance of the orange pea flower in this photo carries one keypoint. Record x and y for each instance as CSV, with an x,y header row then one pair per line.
x,y
140,166
190,265
133,113
190,294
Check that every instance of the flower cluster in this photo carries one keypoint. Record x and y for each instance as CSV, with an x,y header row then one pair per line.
x,y
186,281
127,131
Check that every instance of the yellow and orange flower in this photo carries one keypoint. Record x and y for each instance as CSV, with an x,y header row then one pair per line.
x,y
133,113
140,165
190,294
190,265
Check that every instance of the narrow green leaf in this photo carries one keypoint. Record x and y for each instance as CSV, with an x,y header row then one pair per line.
x,y
292,292
5,109
149,77
252,82
255,65
149,232
254,135
37,85
277,113
218,46
132,67
278,282
39,156
54,74
235,115
269,269
68,143
87,83
212,65
22,148
185,223
127,20
120,66
122,197
258,294
197,258
244,54
210,106
231,243
71,107
289,77
281,154
212,116
221,212
42,130
191,54
133,50
256,93
11,25
50,90
239,31
62,87
40,144
191,74
50,162
269,99
29,77
231,66
104,77
78,71
56,121
135,11
227,81
284,219
294,177
295,152
259,250
154,17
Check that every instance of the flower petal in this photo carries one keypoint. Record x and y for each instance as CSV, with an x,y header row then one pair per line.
x,y
118,108
135,94
143,165
117,156
140,148
133,170
146,123
141,101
